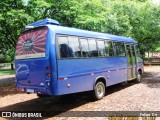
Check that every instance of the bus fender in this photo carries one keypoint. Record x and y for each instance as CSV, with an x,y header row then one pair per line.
x,y
99,78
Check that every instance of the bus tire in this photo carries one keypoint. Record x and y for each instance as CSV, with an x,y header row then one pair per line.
x,y
139,77
99,90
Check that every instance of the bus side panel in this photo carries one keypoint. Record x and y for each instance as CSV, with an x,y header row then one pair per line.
x,y
77,75
53,61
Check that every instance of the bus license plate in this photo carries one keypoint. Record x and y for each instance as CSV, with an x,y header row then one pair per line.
x,y
30,90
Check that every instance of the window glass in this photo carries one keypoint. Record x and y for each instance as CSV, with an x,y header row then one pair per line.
x,y
119,48
84,47
62,40
93,48
133,55
129,55
64,48
109,49
101,48
74,45
32,44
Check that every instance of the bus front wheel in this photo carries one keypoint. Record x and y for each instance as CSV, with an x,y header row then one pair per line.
x,y
99,90
139,77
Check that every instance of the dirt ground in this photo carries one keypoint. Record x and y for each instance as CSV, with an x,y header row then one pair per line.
x,y
144,96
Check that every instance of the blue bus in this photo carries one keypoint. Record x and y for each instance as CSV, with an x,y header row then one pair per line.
x,y
55,60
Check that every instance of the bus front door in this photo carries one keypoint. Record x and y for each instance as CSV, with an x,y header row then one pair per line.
x,y
131,61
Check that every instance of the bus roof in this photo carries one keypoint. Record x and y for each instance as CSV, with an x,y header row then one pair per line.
x,y
90,34
55,26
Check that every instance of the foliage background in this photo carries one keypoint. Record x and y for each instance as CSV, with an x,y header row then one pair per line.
x,y
139,19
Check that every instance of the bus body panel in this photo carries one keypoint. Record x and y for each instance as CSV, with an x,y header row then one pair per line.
x,y
81,74
31,72
53,60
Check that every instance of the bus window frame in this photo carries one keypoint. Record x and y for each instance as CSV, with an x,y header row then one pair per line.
x,y
78,46
135,50
98,47
115,52
58,49
81,47
96,39
112,48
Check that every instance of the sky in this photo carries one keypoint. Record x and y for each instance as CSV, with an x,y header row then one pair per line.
x,y
156,1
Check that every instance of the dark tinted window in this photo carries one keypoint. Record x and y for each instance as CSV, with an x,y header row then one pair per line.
x,y
84,47
101,48
64,49
109,49
119,48
69,47
93,48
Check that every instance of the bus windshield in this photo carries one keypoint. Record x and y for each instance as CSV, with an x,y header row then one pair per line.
x,y
32,44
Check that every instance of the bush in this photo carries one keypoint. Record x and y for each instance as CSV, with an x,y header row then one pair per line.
x,y
2,58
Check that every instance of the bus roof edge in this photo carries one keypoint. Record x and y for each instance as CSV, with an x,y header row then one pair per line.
x,y
44,22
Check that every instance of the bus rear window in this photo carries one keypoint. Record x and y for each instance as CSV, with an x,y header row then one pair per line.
x,y
32,44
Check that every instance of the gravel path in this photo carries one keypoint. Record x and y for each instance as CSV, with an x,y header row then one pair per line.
x,y
144,96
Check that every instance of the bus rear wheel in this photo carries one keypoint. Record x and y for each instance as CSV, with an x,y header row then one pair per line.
x,y
99,90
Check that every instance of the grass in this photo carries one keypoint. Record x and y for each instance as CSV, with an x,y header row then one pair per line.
x,y
7,72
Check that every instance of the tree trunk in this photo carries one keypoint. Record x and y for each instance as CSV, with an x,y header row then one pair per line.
x,y
12,67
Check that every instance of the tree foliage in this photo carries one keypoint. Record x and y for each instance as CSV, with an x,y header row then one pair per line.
x,y
139,19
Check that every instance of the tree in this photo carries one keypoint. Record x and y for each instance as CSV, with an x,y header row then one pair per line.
x,y
13,19
138,19
146,29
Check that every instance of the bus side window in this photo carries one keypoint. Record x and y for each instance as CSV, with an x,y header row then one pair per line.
x,y
93,48
119,48
101,48
74,45
84,47
109,49
65,50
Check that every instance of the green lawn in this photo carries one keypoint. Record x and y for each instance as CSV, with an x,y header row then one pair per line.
x,y
7,72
